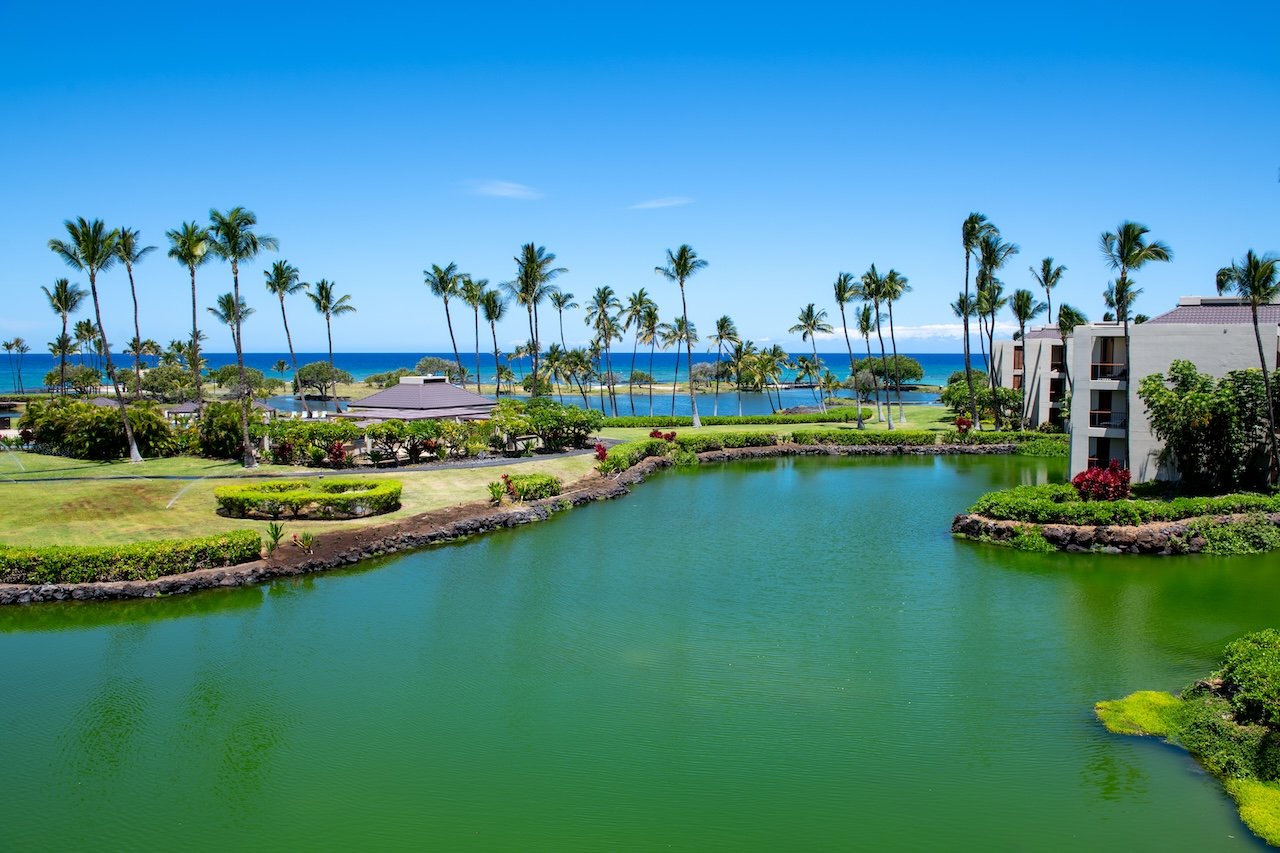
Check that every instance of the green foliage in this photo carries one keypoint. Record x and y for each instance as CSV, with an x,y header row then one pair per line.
x,y
856,438
544,385
997,437
306,442
315,498
1032,541
1204,727
1060,504
1147,712
532,487
496,491
1052,448
431,364
169,383
138,561
904,369
979,378
390,379
318,376
219,430
228,376
67,427
629,453
956,398
275,532
844,414
700,443
1253,534
1250,674
560,426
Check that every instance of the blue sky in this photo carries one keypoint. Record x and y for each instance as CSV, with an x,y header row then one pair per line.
x,y
784,142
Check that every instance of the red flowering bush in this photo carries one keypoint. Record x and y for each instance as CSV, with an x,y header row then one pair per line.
x,y
665,436
1103,484
602,452
337,454
963,425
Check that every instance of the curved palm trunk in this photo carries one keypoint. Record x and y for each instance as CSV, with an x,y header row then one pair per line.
x,y
715,403
497,380
652,346
897,368
477,310
62,360
675,381
457,359
293,359
250,458
1023,409
537,349
1271,411
328,327
884,365
737,382
968,366
991,375
688,342
134,455
844,325
533,342
137,336
822,403
194,353
631,390
874,386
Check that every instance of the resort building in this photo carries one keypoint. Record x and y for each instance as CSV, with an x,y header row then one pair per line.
x,y
419,397
1037,365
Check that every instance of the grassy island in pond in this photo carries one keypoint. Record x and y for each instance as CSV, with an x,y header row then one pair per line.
x,y
1229,721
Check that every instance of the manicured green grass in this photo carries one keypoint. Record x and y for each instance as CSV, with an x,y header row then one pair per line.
x,y
21,466
1259,806
1147,712
918,417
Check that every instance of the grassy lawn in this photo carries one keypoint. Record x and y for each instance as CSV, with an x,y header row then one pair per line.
x,y
931,418
85,512
21,466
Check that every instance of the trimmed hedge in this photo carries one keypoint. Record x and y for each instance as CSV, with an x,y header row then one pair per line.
x,y
1049,447
858,438
304,499
531,487
1061,504
138,561
840,414
719,441
1000,437
623,456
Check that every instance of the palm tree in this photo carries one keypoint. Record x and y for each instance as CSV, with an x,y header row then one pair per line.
x,y
632,315
1257,281
1048,277
21,347
681,264
1068,319
92,249
846,290
283,279
867,322
331,305
974,228
740,361
86,337
726,333
189,246
560,300
495,308
965,307
648,331
282,367
64,299
555,365
534,274
895,285
472,292
769,365
810,324
131,253
873,288
225,310
577,365
8,348
600,317
1127,249
233,240
993,254
446,282
1025,309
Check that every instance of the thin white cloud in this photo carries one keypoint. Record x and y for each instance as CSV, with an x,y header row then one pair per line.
x,y
503,189
927,331
668,201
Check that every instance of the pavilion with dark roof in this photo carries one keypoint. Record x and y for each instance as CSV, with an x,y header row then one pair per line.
x,y
418,398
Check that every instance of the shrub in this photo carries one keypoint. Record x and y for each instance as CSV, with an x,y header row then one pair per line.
x,y
219,431
82,431
719,441
1061,504
303,499
531,487
623,456
854,438
1103,484
1251,674
559,426
1052,448
842,414
311,441
138,561
957,436
1205,728
1254,534
1032,541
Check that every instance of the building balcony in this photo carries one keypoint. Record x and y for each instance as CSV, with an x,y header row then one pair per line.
x,y
1107,370
1104,419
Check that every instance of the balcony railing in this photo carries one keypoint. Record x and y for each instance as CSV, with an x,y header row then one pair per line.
x,y
1108,419
1095,462
1107,370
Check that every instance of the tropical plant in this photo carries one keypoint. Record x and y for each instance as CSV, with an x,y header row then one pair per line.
x,y
867,321
1025,309
1068,319
974,228
1048,277
131,253
1255,280
328,303
873,288
633,315
233,240
648,331
895,286
445,283
681,264
88,341
741,362
226,313
726,333
993,254
473,291
532,284
601,317
92,249
811,323
189,246
495,308
64,299
561,300
283,279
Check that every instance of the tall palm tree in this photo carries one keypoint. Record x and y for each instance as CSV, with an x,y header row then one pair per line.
x,y
993,254
8,347
64,299
328,303
131,253
495,308
648,331
965,307
895,285
1127,249
769,365
867,323
189,246
681,264
600,317
974,228
1048,277
1068,319
1257,281
87,340
740,361
283,279
232,238
445,283
873,288
811,323
554,362
726,333
632,315
1025,309
532,284
232,316
21,347
577,364
846,290
91,248
472,292
561,300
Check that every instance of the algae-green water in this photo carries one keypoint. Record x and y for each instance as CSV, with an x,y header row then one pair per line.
x,y
787,654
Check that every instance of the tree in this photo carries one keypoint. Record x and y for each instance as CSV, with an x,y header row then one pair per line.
x,y
895,285
993,254
495,308
846,290
632,316
1254,279
87,340
320,375
600,317
331,305
681,264
674,334
225,312
446,282
21,347
1068,319
91,248
1025,309
561,300
131,253
726,333
873,288
64,299
8,348
1127,249
283,279
472,292
1048,277
648,332
233,240
741,359
281,366
534,274
974,228
189,246
867,321
811,323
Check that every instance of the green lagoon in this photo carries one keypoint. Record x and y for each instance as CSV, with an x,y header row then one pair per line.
x,y
789,654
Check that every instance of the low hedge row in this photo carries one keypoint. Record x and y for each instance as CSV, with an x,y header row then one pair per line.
x,y
719,441
531,487
623,456
316,498
1044,447
1060,504
859,438
138,561
999,437
839,414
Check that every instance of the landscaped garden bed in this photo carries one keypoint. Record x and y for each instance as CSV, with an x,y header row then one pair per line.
x,y
309,499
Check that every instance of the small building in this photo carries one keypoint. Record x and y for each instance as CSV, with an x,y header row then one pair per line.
x,y
187,411
420,397
1036,364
